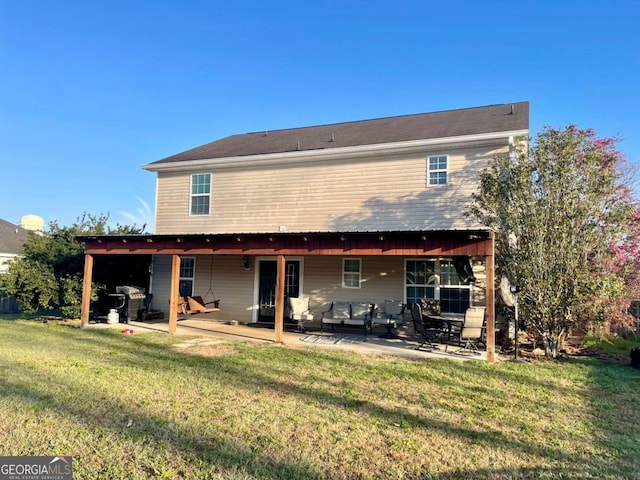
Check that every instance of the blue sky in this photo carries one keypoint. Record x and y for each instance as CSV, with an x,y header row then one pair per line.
x,y
92,90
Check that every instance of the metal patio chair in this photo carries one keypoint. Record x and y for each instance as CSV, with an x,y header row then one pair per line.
x,y
471,332
428,332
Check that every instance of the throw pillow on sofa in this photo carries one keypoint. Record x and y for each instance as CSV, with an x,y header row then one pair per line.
x,y
341,310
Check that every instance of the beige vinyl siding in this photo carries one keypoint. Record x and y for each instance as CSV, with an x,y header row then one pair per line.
x,y
161,283
383,193
230,283
382,279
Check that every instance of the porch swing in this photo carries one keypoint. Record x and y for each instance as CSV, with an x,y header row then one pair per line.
x,y
197,304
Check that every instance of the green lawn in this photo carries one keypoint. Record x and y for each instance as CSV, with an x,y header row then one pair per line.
x,y
138,407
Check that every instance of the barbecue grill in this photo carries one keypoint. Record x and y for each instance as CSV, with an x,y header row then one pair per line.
x,y
130,302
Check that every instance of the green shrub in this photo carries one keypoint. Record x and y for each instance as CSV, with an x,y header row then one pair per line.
x,y
616,347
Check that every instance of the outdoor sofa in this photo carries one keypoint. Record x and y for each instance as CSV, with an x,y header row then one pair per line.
x,y
347,314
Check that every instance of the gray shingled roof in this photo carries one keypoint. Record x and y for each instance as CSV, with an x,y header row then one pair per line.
x,y
451,123
11,237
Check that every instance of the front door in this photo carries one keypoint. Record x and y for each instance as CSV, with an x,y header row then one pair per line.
x,y
267,288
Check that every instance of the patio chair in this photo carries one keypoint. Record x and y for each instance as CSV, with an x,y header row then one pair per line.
x,y
391,316
421,326
471,332
299,310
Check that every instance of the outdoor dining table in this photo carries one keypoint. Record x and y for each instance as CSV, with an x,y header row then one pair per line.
x,y
449,322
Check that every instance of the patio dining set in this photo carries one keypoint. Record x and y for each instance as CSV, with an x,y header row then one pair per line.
x,y
433,328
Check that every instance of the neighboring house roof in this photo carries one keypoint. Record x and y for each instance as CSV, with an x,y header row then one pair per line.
x,y
446,124
11,238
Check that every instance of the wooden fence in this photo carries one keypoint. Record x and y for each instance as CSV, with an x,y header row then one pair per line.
x,y
8,304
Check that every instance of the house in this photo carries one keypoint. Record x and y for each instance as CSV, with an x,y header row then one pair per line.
x,y
357,211
11,239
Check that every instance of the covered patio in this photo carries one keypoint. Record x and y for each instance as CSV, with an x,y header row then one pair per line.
x,y
476,243
211,333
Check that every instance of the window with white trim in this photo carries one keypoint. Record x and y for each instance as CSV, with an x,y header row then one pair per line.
x,y
351,272
454,295
437,170
200,193
187,276
438,280
420,279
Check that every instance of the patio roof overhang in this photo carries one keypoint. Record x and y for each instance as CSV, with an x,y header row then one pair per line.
x,y
404,243
438,243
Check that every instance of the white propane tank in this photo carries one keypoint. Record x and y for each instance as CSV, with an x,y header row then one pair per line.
x,y
113,316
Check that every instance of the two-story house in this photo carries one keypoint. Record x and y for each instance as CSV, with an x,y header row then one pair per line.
x,y
358,211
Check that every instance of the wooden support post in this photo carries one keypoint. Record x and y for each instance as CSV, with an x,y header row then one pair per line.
x,y
490,317
174,292
280,279
86,290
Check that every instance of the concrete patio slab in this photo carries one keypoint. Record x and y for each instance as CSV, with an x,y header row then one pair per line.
x,y
403,346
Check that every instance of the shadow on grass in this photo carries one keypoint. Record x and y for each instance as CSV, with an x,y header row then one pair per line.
x,y
283,376
226,453
614,398
145,354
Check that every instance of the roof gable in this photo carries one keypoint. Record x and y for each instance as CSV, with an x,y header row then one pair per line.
x,y
11,237
450,123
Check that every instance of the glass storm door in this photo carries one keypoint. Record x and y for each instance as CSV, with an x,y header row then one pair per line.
x,y
267,287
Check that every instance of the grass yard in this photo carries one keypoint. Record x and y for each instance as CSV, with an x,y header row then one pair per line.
x,y
138,407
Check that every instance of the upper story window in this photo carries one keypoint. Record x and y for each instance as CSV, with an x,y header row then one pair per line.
x,y
351,272
200,193
437,170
